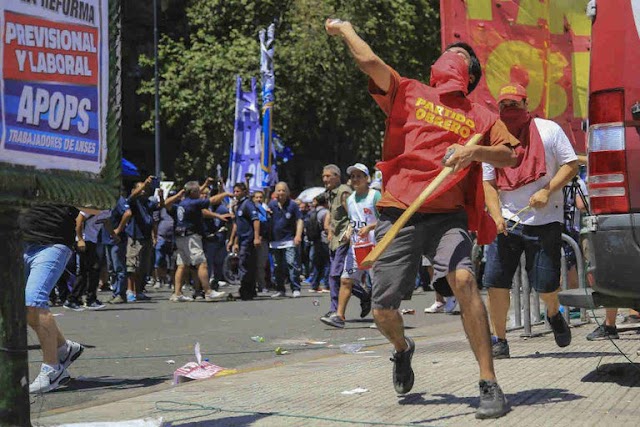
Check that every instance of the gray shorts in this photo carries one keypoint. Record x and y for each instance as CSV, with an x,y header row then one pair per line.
x,y
443,238
189,250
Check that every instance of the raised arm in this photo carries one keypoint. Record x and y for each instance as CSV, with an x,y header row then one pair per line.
x,y
219,198
365,58
169,201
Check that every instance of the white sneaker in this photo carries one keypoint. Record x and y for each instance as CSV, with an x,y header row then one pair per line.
x,y
278,295
373,326
49,379
296,294
222,283
180,298
215,296
451,304
157,285
436,307
69,352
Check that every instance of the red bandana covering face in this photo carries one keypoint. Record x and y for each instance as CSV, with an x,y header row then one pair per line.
x,y
423,122
532,166
450,73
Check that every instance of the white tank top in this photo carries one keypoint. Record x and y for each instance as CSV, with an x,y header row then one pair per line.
x,y
362,213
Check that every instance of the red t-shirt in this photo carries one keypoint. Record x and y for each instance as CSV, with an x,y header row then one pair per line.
x,y
422,123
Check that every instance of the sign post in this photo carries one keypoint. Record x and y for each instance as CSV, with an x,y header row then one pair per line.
x,y
60,143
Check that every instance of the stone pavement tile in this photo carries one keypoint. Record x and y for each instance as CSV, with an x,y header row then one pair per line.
x,y
587,383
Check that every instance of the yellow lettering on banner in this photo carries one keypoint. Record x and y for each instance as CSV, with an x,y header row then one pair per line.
x,y
420,113
479,9
460,117
447,124
554,12
471,123
530,11
580,70
508,55
465,132
556,98
438,121
574,12
420,102
439,109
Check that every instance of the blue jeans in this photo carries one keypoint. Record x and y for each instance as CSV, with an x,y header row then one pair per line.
x,y
286,260
117,259
43,266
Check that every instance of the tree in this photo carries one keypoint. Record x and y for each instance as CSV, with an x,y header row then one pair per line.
x,y
322,108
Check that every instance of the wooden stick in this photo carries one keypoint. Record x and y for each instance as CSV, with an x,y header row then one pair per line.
x,y
383,244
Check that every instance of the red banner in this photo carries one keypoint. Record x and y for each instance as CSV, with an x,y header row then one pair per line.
x,y
541,44
42,50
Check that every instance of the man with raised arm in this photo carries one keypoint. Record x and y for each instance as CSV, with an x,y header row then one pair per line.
x,y
423,123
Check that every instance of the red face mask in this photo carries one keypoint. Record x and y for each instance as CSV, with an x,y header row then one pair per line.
x,y
516,119
450,73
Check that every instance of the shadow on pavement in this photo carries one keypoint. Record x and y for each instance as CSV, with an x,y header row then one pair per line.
x,y
110,383
539,396
567,355
237,421
624,374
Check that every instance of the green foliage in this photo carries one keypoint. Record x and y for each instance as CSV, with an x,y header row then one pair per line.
x,y
322,108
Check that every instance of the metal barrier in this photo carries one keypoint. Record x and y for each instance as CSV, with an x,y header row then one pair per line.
x,y
521,292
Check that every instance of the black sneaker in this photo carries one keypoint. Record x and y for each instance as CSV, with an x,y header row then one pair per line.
x,y
561,331
493,404
70,305
500,349
603,332
333,320
365,308
402,372
197,294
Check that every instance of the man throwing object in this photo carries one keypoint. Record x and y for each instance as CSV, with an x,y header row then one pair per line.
x,y
423,123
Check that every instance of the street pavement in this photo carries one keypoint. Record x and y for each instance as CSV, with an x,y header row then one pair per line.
x,y
587,383
129,345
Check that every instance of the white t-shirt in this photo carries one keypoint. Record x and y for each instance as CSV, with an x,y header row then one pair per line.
x,y
558,151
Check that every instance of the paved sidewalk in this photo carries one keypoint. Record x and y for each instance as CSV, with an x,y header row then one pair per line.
x,y
587,383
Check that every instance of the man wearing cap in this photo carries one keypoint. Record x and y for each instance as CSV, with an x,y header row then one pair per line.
x,y
363,216
526,203
423,123
338,221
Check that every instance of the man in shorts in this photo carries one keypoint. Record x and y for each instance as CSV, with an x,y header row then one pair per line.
x,y
48,232
423,124
189,231
363,216
528,207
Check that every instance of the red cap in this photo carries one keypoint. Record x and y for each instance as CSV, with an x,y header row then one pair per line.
x,y
512,91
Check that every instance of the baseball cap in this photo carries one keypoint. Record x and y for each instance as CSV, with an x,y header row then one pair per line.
x,y
512,91
358,166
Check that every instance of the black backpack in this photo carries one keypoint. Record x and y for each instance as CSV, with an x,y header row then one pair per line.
x,y
313,227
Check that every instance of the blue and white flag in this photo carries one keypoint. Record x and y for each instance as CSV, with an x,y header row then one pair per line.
x,y
244,157
268,84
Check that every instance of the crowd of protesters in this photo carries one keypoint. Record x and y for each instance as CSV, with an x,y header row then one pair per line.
x,y
203,237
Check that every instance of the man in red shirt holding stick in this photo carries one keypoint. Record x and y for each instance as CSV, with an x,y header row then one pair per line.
x,y
423,124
